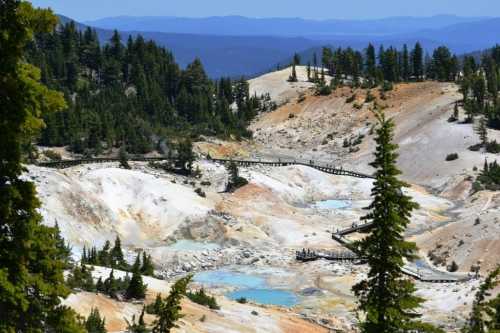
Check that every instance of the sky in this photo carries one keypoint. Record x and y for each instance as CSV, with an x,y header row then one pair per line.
x,y
313,9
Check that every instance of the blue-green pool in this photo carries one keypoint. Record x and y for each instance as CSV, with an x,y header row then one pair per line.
x,y
266,296
252,287
332,204
228,278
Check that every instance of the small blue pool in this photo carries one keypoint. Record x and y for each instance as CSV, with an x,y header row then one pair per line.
x,y
252,287
266,296
332,204
228,278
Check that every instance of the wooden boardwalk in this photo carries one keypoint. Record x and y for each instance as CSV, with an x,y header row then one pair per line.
x,y
312,164
424,274
63,164
311,255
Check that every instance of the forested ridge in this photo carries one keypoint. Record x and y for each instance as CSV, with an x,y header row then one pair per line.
x,y
132,94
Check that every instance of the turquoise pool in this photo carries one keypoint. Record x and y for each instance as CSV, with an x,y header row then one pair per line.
x,y
252,287
332,204
266,296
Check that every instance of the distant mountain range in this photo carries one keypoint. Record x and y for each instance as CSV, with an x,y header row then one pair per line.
x,y
289,27
235,46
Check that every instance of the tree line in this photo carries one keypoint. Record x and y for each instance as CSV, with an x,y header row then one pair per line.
x,y
132,94
389,65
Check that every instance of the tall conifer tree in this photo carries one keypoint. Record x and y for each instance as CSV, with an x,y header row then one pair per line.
x,y
31,270
386,297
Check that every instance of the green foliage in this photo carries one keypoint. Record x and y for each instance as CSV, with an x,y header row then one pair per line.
x,y
95,323
155,308
80,277
136,288
482,131
140,326
444,66
64,248
200,297
385,297
293,76
490,177
123,156
493,147
323,89
113,287
107,256
116,256
132,93
171,310
485,316
31,272
235,181
185,156
147,267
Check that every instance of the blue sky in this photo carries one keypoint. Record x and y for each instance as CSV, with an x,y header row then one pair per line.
x,y
317,9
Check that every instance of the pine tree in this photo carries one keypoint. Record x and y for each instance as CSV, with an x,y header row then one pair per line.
x,y
482,131
293,76
385,296
123,158
31,275
140,326
147,267
485,316
94,322
116,255
156,307
235,181
417,57
171,310
371,63
103,256
185,156
63,247
406,64
136,288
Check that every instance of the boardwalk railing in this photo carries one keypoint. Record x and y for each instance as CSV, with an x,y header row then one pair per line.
x,y
424,275
326,168
313,164
311,255
63,164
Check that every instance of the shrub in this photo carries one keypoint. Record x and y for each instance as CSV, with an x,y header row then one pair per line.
x,y
493,147
453,267
351,99
323,89
242,300
200,192
52,155
475,147
200,297
452,157
387,86
369,97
